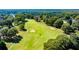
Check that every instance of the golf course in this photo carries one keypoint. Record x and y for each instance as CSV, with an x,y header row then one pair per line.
x,y
36,35
42,29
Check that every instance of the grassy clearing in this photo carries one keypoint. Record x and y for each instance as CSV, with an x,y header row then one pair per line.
x,y
33,39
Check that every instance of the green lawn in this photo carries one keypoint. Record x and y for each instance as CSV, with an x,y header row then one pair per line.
x,y
33,39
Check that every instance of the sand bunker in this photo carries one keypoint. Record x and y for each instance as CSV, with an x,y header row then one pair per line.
x,y
32,30
52,28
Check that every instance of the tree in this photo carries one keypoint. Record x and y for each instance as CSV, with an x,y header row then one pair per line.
x,y
21,27
67,28
20,16
16,39
68,19
37,18
19,19
44,17
75,25
58,23
29,16
77,17
50,21
12,32
1,27
8,35
1,23
62,42
7,23
75,41
2,46
3,32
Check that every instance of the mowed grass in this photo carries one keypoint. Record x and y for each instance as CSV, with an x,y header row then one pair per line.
x,y
36,35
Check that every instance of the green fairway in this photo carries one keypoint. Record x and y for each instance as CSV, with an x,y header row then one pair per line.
x,y
33,39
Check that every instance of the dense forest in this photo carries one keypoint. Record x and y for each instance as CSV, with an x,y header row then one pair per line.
x,y
36,29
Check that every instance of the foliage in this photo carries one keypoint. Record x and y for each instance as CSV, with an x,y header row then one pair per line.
x,y
75,41
21,27
37,18
67,28
8,35
67,17
19,19
50,21
29,16
2,46
77,17
12,32
62,42
7,22
3,31
75,25
58,23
